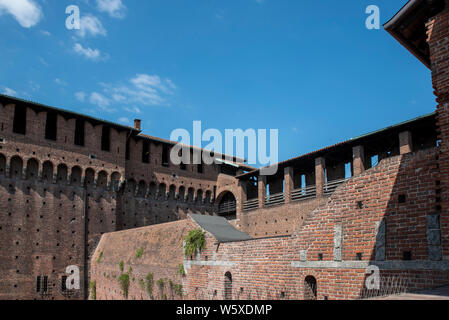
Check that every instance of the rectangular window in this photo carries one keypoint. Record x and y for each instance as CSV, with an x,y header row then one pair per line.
x,y
146,152
51,126
20,120
79,133
38,284
106,139
165,155
63,283
45,284
200,168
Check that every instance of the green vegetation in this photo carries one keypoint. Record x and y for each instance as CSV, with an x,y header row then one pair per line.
x,y
149,285
142,284
124,284
175,288
130,270
195,241
161,283
181,270
93,290
139,253
99,257
121,265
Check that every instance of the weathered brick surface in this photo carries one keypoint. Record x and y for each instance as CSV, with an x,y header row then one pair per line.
x,y
57,199
162,253
438,39
263,268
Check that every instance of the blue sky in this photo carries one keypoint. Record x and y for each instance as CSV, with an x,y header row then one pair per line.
x,y
308,68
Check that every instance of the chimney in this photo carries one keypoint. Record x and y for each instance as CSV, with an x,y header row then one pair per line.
x,y
138,124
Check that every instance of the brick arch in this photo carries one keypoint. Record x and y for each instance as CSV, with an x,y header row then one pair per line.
x,y
310,288
142,189
182,193
15,167
152,189
62,172
76,175
102,180
2,164
115,180
199,194
32,169
222,193
89,177
47,171
172,190
131,186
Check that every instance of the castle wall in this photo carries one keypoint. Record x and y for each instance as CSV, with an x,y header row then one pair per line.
x,y
161,255
57,199
438,39
365,222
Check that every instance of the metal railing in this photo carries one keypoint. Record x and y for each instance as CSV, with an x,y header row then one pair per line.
x,y
274,199
331,186
251,205
304,193
227,207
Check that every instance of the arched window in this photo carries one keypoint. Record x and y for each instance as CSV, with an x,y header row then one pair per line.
x,y
102,180
32,169
75,177
89,178
62,174
47,171
16,167
115,181
310,288
131,186
142,189
2,164
228,286
227,206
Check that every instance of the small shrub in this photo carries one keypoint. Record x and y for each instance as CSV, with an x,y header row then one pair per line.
x,y
93,290
142,284
139,253
121,265
124,284
100,256
178,289
181,270
149,285
195,240
130,270
160,283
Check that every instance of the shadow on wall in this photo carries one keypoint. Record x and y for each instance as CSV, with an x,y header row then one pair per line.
x,y
407,253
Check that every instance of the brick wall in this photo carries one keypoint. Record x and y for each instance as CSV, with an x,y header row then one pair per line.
x,y
438,39
381,214
161,254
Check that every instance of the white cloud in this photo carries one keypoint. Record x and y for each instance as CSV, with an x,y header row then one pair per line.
x,y
143,89
60,82
88,53
80,96
115,8
46,33
124,120
27,12
100,101
91,25
9,91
